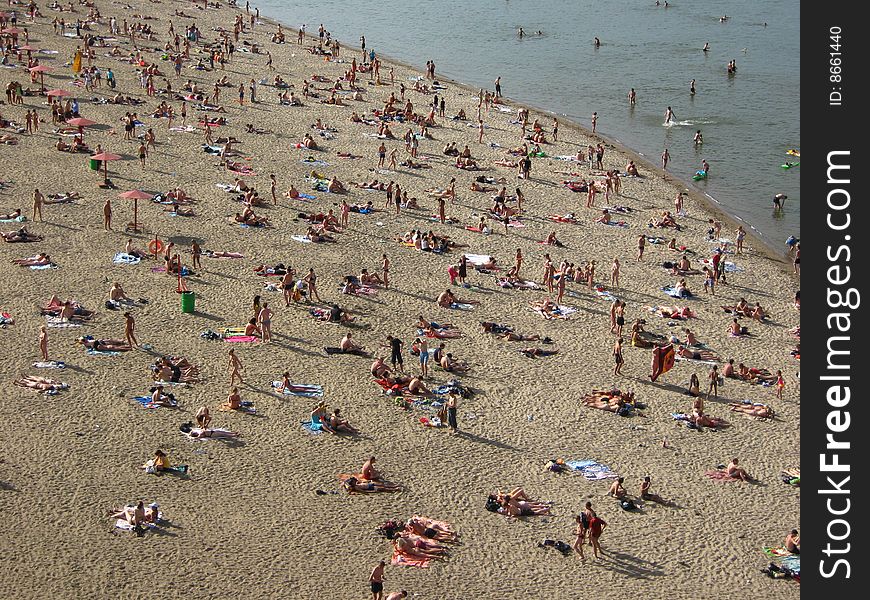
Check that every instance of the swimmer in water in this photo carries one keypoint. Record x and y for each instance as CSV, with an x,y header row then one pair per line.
x,y
692,87
670,116
698,139
597,43
779,201
521,33
706,47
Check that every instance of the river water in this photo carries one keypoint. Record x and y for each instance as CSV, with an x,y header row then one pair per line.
x,y
747,120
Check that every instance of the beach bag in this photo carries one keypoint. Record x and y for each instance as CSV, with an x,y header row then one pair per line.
x,y
492,505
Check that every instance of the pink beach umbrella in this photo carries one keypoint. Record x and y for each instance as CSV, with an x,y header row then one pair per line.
x,y
105,157
42,70
135,195
81,123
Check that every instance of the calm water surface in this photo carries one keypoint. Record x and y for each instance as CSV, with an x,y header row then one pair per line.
x,y
748,121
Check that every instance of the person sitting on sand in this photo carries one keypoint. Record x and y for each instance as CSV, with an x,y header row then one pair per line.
x,y
418,388
631,169
793,542
159,398
379,368
737,472
449,364
646,494
337,423
736,330
252,330
349,346
617,490
335,186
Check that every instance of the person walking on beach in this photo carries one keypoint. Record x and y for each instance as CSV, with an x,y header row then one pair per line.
x,y
395,346
264,318
641,245
235,367
666,157
385,270
498,87
580,536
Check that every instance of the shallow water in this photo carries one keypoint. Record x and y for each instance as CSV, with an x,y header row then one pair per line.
x,y
748,120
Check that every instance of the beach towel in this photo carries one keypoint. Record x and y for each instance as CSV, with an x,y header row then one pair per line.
x,y
93,352
592,470
305,390
55,322
44,267
461,306
312,428
18,219
673,293
241,339
401,560
560,312
49,364
146,402
478,259
662,361
300,238
122,258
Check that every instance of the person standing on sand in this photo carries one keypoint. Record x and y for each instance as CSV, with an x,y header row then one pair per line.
x,y
596,528
107,215
385,270
666,157
617,357
580,536
264,318
594,121
273,188
235,367
451,405
43,342
713,387
376,581
38,201
614,273
129,330
480,131
498,87
641,245
196,251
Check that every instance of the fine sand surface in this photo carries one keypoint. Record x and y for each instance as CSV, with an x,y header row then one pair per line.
x,y
248,523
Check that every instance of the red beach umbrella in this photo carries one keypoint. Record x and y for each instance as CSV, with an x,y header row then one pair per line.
x,y
135,195
42,70
105,157
58,93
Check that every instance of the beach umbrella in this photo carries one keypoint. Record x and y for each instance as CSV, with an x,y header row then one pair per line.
x,y
58,93
42,70
105,157
135,195
81,123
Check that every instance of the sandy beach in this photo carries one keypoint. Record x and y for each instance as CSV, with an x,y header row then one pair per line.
x,y
265,515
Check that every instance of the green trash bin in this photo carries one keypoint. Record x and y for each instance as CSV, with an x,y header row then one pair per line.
x,y
95,165
188,299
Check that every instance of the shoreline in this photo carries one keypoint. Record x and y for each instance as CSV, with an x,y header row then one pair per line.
x,y
729,221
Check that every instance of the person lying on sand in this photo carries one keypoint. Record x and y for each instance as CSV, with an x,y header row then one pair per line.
x,y
363,486
519,505
33,261
200,433
451,365
138,515
429,528
753,410
15,214
537,352
699,354
414,546
41,384
20,235
446,299
104,345
250,219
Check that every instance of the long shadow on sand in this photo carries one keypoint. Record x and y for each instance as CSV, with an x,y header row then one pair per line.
x,y
631,566
473,437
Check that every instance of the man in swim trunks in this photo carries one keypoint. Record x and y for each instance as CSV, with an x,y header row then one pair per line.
x,y
376,580
395,346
